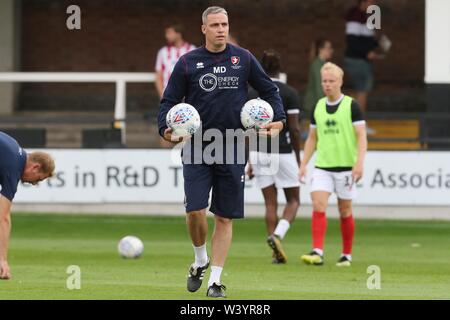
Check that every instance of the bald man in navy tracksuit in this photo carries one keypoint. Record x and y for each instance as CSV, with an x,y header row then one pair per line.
x,y
16,165
214,79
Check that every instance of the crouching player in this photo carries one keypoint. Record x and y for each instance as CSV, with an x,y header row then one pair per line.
x,y
16,165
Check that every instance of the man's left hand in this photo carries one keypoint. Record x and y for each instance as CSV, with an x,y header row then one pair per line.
x,y
271,129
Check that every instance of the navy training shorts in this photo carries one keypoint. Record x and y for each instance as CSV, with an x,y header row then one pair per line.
x,y
227,182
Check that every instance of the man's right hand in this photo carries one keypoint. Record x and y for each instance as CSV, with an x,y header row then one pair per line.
x,y
250,173
372,55
5,273
168,136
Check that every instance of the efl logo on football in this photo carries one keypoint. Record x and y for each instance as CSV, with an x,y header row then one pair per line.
x,y
235,61
179,119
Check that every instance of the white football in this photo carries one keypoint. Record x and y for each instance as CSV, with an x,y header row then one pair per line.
x,y
183,119
130,247
255,113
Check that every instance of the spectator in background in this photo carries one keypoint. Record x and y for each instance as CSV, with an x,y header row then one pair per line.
x,y
233,39
167,58
168,55
360,53
321,52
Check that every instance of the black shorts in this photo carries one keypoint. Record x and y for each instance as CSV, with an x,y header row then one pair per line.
x,y
360,74
227,182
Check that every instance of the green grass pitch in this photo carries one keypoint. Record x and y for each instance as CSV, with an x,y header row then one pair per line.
x,y
414,258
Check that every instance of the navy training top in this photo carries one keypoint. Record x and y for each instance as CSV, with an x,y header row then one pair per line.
x,y
12,164
216,84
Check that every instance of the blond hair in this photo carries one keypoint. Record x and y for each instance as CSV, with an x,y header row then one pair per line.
x,y
45,160
333,68
212,10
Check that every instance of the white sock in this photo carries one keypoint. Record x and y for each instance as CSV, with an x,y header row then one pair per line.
x,y
282,228
214,276
348,256
201,256
318,251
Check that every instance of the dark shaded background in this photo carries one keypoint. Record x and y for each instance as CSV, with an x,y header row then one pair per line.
x,y
126,35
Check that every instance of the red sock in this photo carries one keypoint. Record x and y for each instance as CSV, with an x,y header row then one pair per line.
x,y
347,232
319,228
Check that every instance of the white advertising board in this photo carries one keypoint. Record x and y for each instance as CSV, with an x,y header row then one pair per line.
x,y
155,176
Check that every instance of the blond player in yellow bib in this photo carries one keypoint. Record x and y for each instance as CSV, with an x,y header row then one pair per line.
x,y
338,135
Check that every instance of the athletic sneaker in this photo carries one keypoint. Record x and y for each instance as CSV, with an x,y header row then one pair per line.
x,y
344,262
275,243
274,259
216,290
313,258
195,277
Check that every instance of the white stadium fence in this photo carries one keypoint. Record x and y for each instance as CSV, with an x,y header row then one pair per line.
x,y
119,78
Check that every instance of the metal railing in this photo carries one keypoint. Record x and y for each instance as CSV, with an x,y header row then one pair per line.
x,y
122,78
119,78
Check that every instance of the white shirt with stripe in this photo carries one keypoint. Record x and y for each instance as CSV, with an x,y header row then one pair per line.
x,y
167,58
